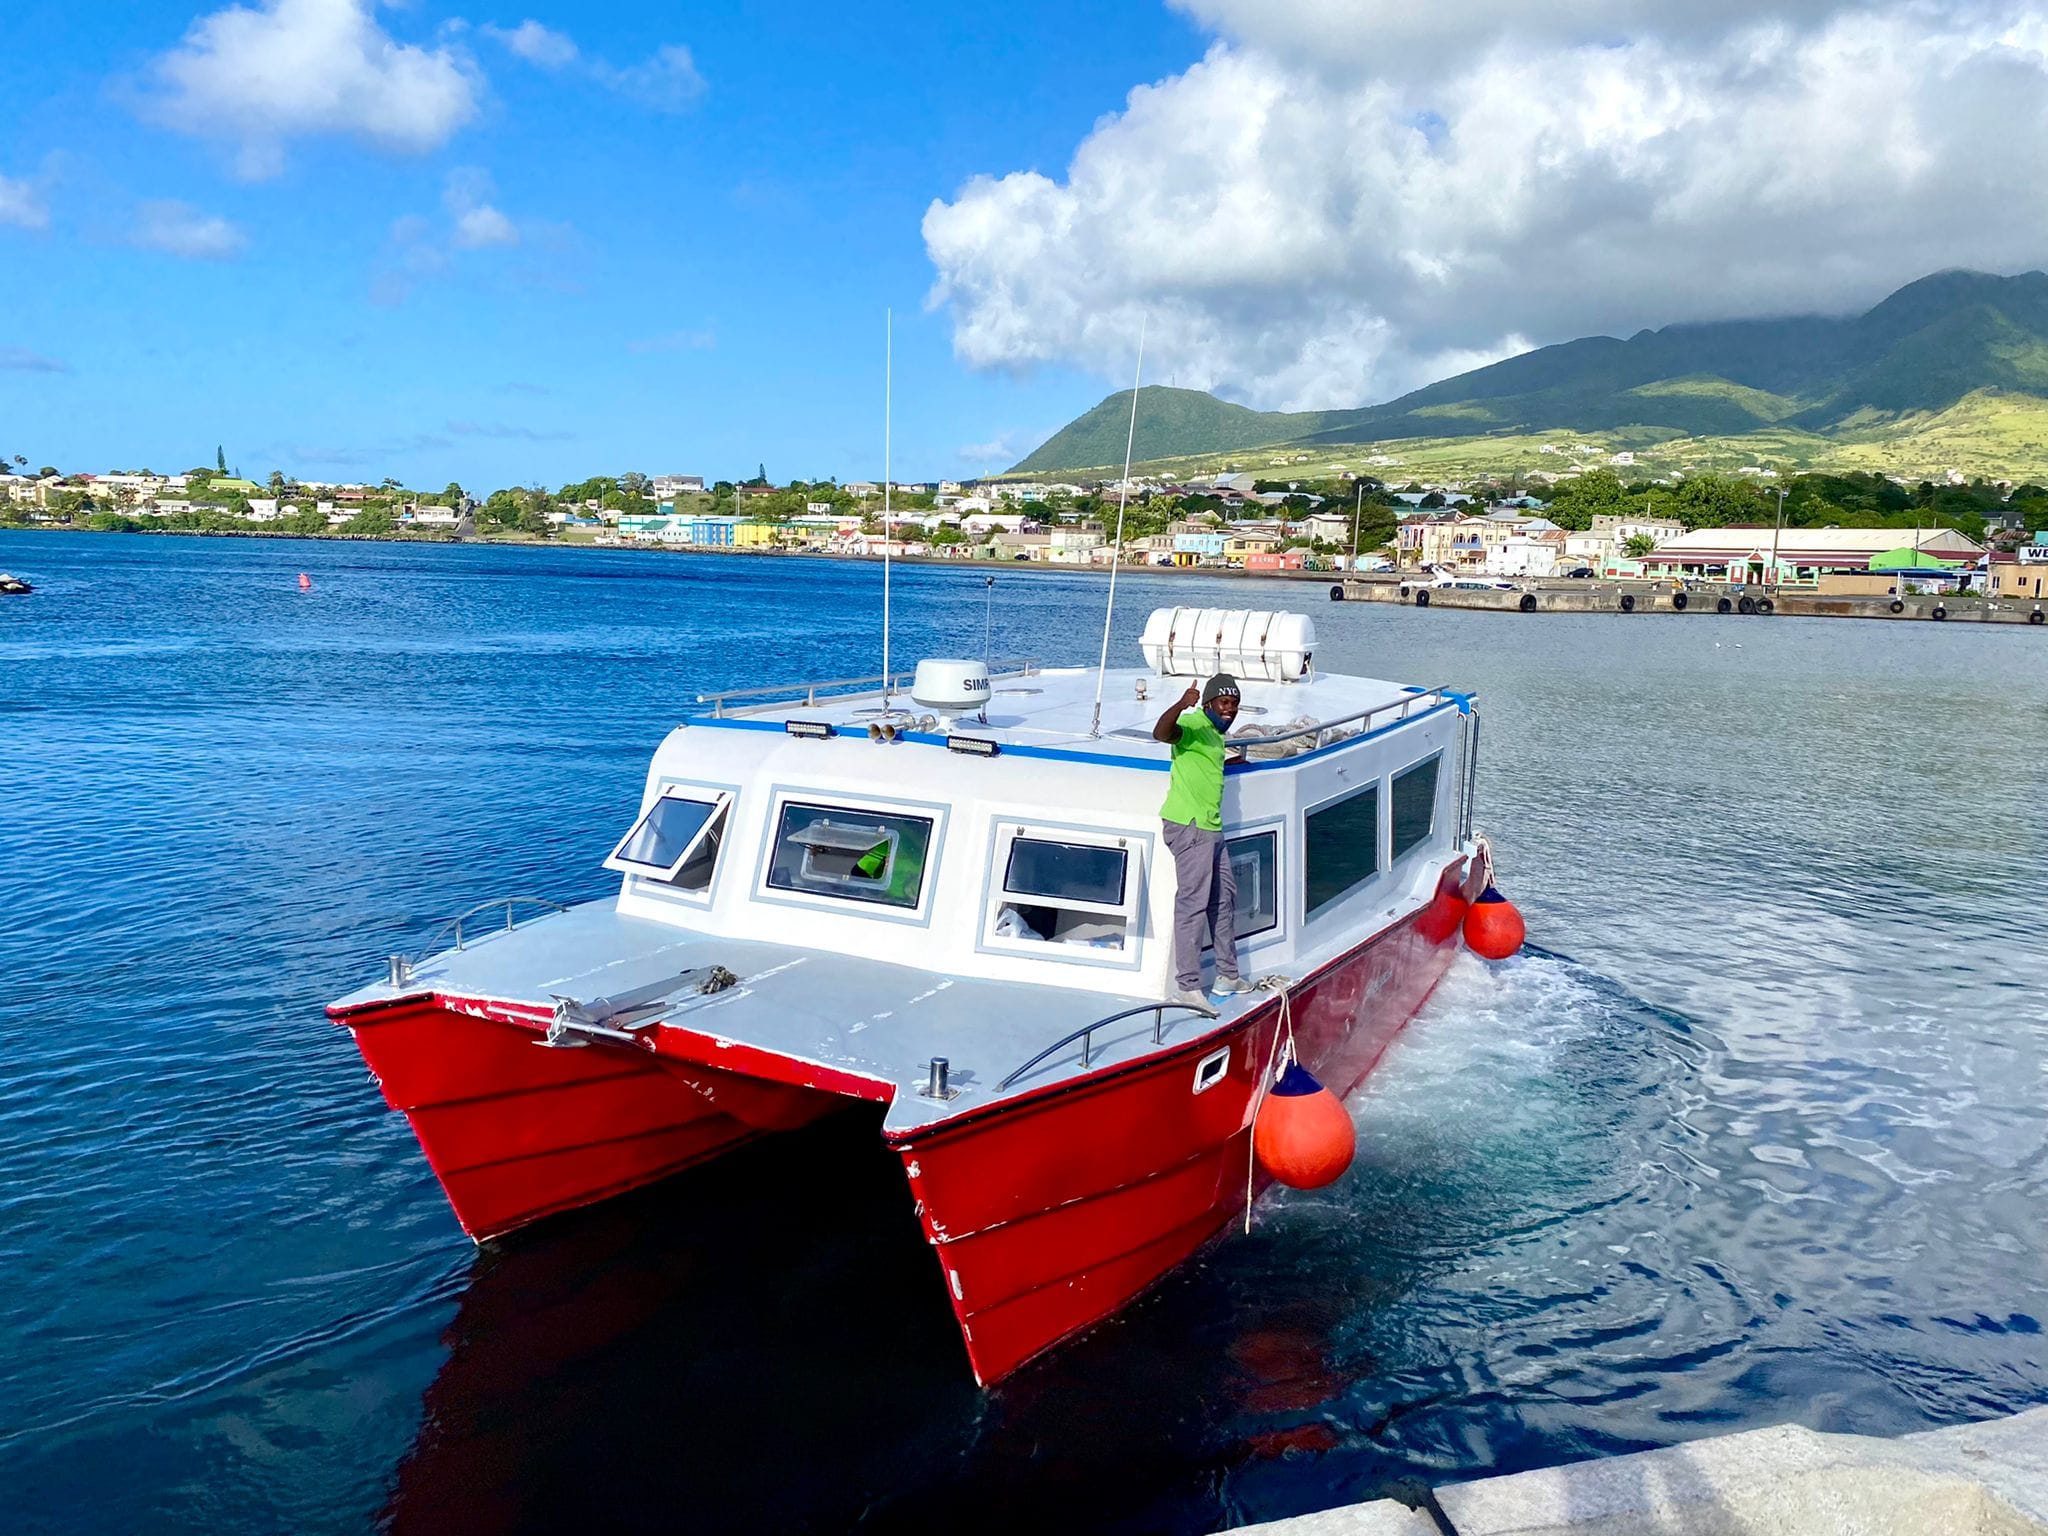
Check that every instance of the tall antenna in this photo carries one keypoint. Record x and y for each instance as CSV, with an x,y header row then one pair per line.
x,y
888,382
1116,550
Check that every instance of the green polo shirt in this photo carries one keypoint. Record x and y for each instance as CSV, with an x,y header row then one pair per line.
x,y
1194,791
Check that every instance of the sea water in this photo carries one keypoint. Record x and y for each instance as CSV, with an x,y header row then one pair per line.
x,y
1756,1131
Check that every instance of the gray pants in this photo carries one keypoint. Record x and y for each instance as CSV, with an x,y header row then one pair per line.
x,y
1205,892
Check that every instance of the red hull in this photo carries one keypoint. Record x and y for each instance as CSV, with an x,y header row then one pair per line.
x,y
1052,1212
515,1133
1047,1212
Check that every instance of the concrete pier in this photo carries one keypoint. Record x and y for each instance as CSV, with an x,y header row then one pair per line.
x,y
1988,1479
1707,601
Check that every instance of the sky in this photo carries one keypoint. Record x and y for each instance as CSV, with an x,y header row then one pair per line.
x,y
347,239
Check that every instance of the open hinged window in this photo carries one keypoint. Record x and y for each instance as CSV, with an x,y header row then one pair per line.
x,y
1070,889
830,850
676,839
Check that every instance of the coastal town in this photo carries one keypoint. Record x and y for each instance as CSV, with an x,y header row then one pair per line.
x,y
1835,536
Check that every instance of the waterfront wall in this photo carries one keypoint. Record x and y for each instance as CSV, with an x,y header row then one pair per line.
x,y
1712,602
1988,1479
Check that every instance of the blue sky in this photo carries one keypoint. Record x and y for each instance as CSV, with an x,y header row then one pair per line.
x,y
346,238
662,277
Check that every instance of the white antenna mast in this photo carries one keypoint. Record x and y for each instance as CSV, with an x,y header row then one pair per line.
x,y
888,382
1116,549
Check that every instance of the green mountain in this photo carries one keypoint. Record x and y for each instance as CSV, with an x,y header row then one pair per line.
x,y
1171,422
1923,350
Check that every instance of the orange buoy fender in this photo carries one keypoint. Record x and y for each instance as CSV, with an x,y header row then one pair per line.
x,y
1441,919
1493,928
305,582
1303,1137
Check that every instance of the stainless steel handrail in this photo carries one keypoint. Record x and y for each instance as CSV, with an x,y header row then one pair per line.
x,y
507,902
1157,1010
1442,694
717,701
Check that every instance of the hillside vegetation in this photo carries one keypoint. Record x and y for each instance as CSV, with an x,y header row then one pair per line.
x,y
1950,372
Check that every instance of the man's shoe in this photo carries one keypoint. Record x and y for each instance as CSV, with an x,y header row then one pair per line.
x,y
1191,997
1230,986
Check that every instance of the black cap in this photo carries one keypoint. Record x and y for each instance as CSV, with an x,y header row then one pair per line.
x,y
1220,686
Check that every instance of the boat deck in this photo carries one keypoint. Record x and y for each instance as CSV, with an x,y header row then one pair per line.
x,y
856,1015
1050,710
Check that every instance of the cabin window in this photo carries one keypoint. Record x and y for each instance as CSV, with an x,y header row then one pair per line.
x,y
1255,860
1413,811
1077,891
869,856
676,839
1340,849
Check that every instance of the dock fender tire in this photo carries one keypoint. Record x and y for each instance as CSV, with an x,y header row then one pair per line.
x,y
1678,601
1940,612
1336,593
1528,602
1422,599
1897,606
1628,602
2037,617
1765,605
1746,605
1724,606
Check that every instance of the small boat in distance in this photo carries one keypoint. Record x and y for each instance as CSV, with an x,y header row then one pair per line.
x,y
952,913
13,586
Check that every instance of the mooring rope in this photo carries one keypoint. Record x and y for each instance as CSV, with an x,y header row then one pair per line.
x,y
1284,985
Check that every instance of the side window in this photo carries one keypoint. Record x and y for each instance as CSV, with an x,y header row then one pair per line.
x,y
1414,805
1341,848
1065,890
676,839
860,855
1255,859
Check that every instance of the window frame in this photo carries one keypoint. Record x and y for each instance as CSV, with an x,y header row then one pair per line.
x,y
721,803
1276,830
1118,908
1376,788
843,904
1396,855
995,894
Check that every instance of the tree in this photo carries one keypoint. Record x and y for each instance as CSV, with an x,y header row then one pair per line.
x,y
1638,546
372,521
308,520
454,496
239,506
633,484
276,482
220,459
46,471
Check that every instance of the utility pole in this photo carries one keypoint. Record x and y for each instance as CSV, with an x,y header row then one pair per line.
x,y
1355,511
1780,528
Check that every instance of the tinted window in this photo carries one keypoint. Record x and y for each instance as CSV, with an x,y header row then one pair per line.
x,y
1065,871
1341,849
1256,862
1414,805
664,832
862,855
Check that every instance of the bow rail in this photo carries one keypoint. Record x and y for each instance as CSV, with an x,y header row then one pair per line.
x,y
1086,1033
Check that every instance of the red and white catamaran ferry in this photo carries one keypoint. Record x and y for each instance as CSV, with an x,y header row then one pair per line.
x,y
955,909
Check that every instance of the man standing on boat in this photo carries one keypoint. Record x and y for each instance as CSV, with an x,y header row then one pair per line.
x,y
1206,887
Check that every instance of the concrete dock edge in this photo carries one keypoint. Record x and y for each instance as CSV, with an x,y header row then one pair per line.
x,y
1987,1479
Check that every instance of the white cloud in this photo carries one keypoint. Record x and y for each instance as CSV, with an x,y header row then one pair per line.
x,y
477,223
22,205
21,360
668,80
179,229
538,45
1345,199
292,68
1006,447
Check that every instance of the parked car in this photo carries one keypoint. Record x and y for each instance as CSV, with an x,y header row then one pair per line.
x,y
1580,574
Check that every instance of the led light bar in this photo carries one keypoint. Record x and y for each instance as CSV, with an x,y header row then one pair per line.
x,y
809,730
973,746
